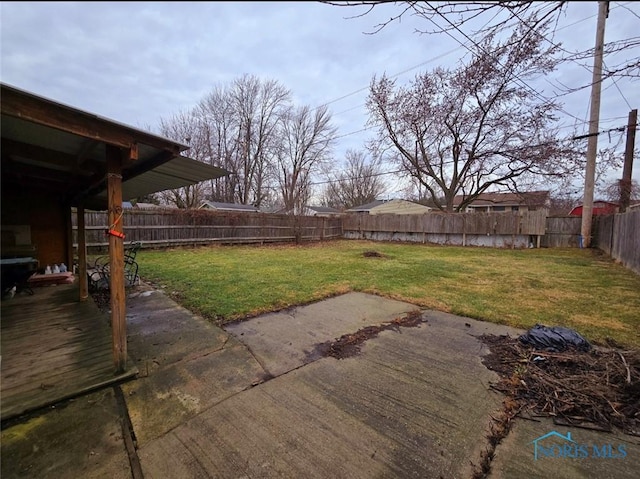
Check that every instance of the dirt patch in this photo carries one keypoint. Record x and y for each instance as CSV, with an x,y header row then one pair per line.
x,y
598,389
373,254
349,345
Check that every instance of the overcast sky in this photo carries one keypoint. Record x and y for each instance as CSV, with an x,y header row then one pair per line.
x,y
139,62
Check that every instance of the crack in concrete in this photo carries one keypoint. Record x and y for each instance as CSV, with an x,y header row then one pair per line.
x,y
499,429
128,435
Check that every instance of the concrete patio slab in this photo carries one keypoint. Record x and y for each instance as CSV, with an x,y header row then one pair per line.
x,y
286,340
187,364
161,332
588,454
80,438
180,391
414,403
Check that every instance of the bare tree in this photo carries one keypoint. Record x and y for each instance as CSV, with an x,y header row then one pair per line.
x,y
360,182
259,106
466,131
307,138
562,204
184,128
219,129
240,125
416,192
607,160
613,190
251,129
492,18
456,14
188,197
152,198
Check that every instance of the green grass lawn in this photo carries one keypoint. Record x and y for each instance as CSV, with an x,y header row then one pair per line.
x,y
578,288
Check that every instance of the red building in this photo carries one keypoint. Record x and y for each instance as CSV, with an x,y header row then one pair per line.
x,y
599,208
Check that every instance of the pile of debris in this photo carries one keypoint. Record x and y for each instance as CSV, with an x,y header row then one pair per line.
x,y
575,384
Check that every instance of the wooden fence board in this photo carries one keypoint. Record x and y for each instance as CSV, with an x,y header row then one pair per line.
x,y
617,235
180,227
526,223
562,232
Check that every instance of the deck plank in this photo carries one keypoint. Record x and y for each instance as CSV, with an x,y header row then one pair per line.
x,y
54,347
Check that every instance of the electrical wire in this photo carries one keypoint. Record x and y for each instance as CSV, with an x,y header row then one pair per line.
x,y
620,129
465,46
575,61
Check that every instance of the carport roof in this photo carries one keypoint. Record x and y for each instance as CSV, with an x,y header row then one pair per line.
x,y
178,172
61,149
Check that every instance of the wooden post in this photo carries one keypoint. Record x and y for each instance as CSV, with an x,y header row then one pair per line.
x,y
592,146
625,183
82,254
464,229
116,258
69,236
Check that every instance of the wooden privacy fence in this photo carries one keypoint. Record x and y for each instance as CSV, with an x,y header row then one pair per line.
x,y
163,228
564,232
619,236
510,229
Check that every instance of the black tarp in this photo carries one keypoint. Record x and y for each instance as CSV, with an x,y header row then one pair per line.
x,y
554,339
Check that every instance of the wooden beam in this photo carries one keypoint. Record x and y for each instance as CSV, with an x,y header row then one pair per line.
x,y
98,181
131,158
133,152
138,169
82,255
16,152
116,259
26,106
42,178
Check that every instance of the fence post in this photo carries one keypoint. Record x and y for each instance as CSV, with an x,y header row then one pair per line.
x,y
464,229
424,228
612,237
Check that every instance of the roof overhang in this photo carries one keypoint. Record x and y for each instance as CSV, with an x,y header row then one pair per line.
x,y
61,149
175,173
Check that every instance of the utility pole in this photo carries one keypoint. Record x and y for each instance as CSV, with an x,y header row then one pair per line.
x,y
592,145
625,182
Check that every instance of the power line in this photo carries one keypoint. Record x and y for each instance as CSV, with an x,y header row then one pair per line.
x,y
624,5
351,133
437,57
450,162
581,137
572,60
561,127
518,79
619,90
462,45
392,76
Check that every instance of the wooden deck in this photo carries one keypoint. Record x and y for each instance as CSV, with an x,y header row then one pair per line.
x,y
54,347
